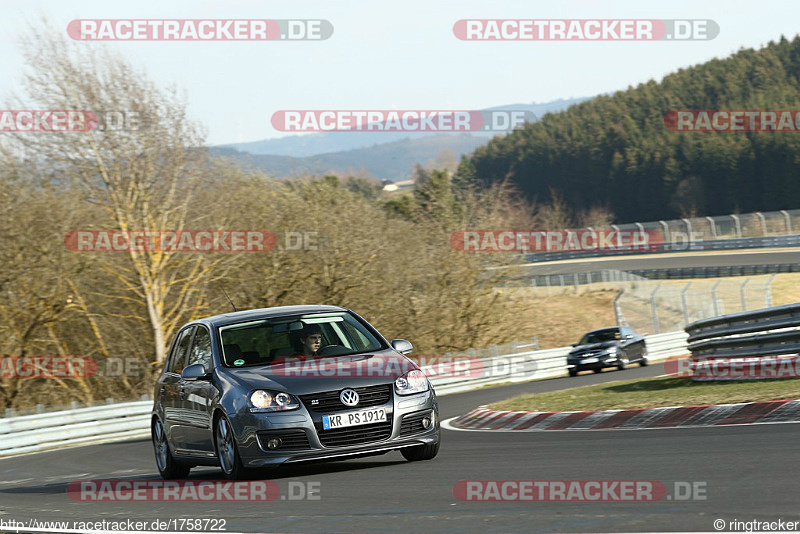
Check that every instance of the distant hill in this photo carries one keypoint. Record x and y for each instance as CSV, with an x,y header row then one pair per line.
x,y
388,160
616,150
327,142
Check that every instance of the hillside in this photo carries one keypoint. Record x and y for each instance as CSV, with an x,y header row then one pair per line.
x,y
388,160
616,151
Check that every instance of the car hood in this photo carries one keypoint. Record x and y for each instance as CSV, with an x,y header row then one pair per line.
x,y
594,346
314,375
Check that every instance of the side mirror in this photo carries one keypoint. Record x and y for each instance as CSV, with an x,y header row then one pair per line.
x,y
402,346
196,371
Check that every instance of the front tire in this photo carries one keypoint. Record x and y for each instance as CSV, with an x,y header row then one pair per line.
x,y
622,361
168,467
421,452
573,372
228,452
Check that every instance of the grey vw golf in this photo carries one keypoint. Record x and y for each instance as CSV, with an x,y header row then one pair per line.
x,y
274,386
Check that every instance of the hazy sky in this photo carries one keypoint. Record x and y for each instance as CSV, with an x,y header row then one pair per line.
x,y
399,55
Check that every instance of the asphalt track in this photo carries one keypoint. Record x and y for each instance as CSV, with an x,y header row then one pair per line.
x,y
749,473
665,261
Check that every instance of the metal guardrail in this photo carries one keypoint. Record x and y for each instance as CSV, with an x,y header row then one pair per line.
x,y
34,433
767,335
672,247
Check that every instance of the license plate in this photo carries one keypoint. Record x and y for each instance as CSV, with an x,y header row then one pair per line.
x,y
364,417
590,360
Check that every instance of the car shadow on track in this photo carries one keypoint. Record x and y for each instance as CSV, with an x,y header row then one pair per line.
x,y
214,474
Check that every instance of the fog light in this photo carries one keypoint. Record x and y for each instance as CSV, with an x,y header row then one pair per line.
x,y
426,422
274,443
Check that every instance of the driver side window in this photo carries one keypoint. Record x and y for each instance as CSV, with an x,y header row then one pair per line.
x,y
178,358
201,349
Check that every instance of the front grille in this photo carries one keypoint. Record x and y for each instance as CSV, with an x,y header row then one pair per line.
x,y
355,435
291,440
412,423
328,401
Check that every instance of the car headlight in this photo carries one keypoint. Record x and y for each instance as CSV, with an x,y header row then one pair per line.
x,y
612,351
412,382
272,401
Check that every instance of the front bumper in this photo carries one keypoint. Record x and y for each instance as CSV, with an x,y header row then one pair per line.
x,y
593,362
300,431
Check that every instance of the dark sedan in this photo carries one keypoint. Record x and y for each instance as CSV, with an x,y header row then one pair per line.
x,y
274,386
607,347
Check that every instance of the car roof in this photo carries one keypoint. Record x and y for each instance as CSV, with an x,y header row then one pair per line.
x,y
605,329
265,313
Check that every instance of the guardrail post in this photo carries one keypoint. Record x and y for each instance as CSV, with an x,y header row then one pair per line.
x,y
713,226
768,292
737,225
763,222
513,346
685,304
788,221
714,297
666,231
617,311
654,309
742,293
688,224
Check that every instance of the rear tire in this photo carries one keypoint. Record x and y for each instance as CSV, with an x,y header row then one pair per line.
x,y
420,453
644,362
572,372
598,370
168,467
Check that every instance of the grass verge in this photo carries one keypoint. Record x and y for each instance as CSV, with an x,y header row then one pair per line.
x,y
652,393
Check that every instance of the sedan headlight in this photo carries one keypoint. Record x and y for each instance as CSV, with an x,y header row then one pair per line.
x,y
412,382
272,401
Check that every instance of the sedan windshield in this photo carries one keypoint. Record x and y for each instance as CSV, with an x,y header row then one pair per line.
x,y
600,336
269,341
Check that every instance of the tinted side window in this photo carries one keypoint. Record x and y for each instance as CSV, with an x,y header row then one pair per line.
x,y
201,348
178,359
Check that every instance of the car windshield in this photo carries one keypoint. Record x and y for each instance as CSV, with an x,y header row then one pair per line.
x,y
600,336
268,341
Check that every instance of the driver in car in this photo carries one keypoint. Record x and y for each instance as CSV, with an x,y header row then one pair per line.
x,y
309,341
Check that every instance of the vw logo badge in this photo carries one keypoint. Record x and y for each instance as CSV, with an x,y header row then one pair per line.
x,y
349,397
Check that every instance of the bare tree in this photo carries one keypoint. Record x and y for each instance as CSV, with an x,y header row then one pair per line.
x,y
144,176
